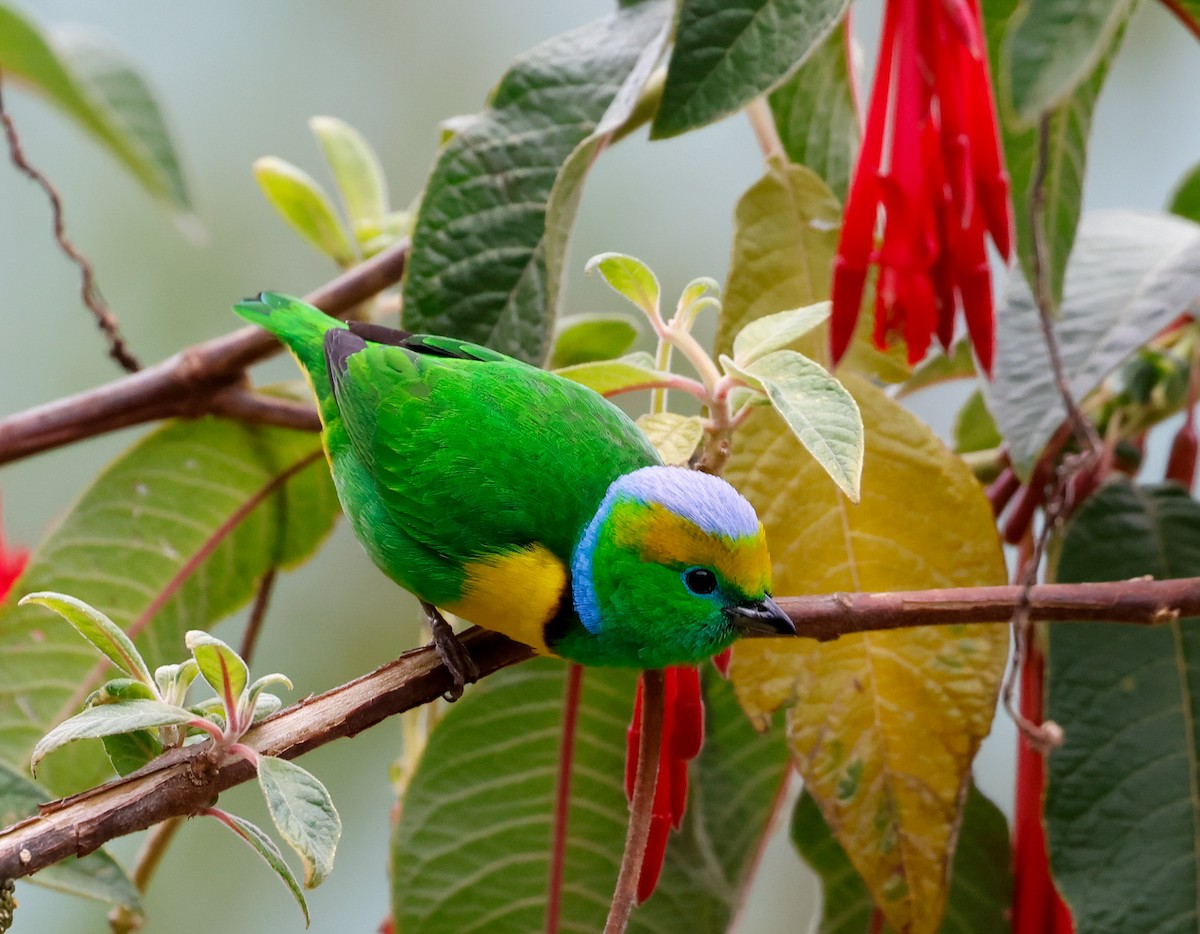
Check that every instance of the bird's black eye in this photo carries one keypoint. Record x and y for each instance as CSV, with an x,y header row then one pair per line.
x,y
700,580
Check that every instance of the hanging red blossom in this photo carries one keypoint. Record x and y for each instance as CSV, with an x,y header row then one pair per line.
x,y
930,158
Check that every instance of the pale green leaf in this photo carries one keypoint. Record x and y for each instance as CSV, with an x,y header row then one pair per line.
x,y
1121,805
1130,275
591,337
728,52
98,629
128,752
630,278
818,410
109,720
610,377
674,436
1055,46
84,75
815,114
173,535
221,667
304,205
490,236
303,814
265,847
97,876
357,174
174,680
775,332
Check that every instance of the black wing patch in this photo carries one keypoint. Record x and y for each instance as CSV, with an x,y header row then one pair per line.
x,y
340,346
430,345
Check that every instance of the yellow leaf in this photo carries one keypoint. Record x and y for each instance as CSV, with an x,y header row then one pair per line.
x,y
787,226
674,436
885,725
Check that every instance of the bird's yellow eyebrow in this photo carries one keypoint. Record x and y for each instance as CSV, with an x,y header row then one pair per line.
x,y
666,538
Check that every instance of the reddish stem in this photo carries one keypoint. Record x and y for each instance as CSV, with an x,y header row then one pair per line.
x,y
562,797
625,896
1189,22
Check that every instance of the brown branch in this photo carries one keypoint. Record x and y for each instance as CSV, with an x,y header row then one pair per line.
x,y
205,377
183,781
1186,19
88,290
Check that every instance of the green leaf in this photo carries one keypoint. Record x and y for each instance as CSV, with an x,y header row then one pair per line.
x,y
128,752
489,241
630,278
818,410
728,52
1055,46
97,876
815,114
98,629
357,174
303,814
83,74
775,332
940,367
174,680
980,882
265,847
1121,802
1185,199
304,205
974,429
179,530
470,850
221,667
109,720
587,338
1130,275
674,436
609,377
1068,127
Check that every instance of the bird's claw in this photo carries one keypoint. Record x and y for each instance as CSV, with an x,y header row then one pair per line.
x,y
453,653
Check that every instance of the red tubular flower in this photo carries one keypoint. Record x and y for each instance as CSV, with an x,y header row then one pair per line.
x,y
12,563
931,160
683,735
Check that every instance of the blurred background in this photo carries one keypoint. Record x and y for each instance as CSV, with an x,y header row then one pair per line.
x,y
238,81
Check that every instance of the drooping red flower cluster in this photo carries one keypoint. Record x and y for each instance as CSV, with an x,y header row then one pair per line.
x,y
931,160
683,735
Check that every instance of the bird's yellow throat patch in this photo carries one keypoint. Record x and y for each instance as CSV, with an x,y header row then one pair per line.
x,y
515,594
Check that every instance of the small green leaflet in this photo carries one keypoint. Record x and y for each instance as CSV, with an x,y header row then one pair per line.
x,y
221,667
356,172
265,847
304,205
630,278
774,332
591,337
818,409
98,629
303,814
610,377
108,720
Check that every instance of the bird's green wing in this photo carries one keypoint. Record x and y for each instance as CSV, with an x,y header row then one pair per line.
x,y
473,453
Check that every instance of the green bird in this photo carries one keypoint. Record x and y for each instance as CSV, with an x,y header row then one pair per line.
x,y
524,502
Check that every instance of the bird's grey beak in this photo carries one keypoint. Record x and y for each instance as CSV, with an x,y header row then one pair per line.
x,y
761,618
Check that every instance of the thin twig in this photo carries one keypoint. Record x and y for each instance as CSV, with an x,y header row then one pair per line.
x,y
762,121
182,781
88,290
1188,20
262,599
625,895
1084,432
186,383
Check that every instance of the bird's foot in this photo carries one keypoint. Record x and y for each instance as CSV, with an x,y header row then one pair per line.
x,y
452,652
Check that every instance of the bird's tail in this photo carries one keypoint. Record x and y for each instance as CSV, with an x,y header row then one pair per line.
x,y
298,324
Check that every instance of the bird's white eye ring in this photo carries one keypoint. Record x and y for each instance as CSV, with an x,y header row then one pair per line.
x,y
700,581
